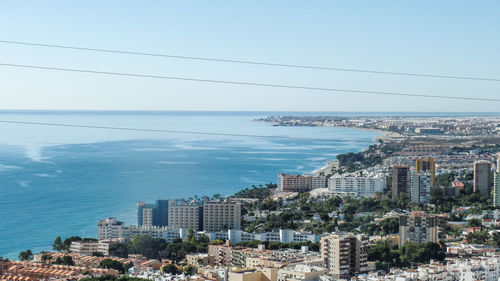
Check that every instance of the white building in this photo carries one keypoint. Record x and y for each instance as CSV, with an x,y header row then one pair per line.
x,y
420,188
356,185
477,268
88,248
111,229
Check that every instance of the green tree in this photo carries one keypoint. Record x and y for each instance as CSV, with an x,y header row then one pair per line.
x,y
65,260
67,241
112,264
170,268
118,250
58,245
189,270
474,223
25,255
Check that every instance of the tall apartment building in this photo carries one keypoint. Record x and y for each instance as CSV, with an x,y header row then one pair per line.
x,y
496,184
109,229
427,165
400,181
185,216
420,190
299,183
145,214
152,214
221,216
418,227
482,177
357,186
344,254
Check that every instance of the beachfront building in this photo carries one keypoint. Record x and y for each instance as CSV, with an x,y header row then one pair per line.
x,y
125,233
356,185
185,216
400,181
299,183
420,188
152,214
482,177
344,254
219,216
109,229
418,227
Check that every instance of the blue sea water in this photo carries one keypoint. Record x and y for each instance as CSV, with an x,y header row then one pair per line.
x,y
61,181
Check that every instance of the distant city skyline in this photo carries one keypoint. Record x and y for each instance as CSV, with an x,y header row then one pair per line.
x,y
445,38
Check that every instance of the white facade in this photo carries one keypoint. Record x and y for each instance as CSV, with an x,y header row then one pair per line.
x,y
356,186
89,248
109,229
121,232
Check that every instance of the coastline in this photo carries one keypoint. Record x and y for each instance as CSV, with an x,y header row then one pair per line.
x,y
331,164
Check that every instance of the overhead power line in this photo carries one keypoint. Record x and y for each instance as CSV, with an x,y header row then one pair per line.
x,y
262,63
178,131
227,82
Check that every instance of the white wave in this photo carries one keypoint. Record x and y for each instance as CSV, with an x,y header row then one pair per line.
x,y
152,149
177,162
24,183
44,175
8,167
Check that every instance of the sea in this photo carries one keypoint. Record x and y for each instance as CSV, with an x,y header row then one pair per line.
x,y
59,181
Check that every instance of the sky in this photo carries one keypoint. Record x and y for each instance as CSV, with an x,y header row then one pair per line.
x,y
434,37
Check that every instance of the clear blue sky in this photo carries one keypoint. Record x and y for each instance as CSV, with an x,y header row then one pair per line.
x,y
441,37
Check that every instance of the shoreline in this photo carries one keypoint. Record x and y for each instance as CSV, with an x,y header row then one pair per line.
x,y
334,163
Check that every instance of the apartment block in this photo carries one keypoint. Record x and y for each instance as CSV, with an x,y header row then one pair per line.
x,y
400,181
109,229
344,254
185,216
427,165
219,216
88,248
420,188
496,184
482,177
356,186
299,183
418,227
152,214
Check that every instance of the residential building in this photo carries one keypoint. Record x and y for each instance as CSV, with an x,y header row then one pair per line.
x,y
496,184
152,214
185,216
109,229
418,227
299,183
302,272
90,247
356,185
450,191
482,177
261,274
145,214
231,255
420,190
30,271
199,260
219,216
400,181
344,254
427,165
